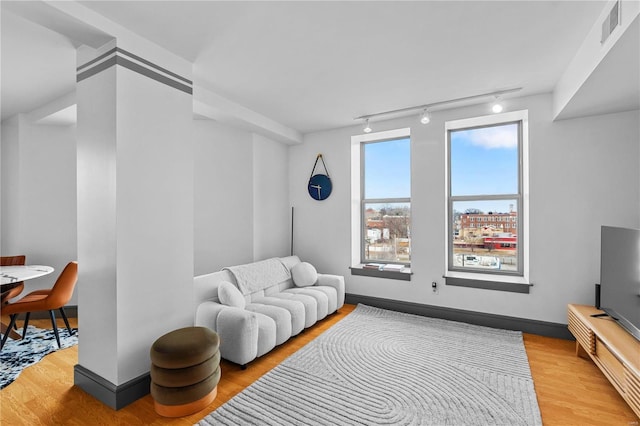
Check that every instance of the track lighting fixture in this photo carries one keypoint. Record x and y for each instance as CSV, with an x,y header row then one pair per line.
x,y
366,128
426,117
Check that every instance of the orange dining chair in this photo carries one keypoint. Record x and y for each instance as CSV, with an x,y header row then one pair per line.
x,y
13,289
45,300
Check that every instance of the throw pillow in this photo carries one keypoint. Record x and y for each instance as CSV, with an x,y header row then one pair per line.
x,y
304,274
230,295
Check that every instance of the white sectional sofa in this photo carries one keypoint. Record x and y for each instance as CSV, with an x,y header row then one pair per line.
x,y
260,305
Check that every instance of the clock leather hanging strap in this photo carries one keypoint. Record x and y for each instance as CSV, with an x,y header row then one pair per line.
x,y
319,157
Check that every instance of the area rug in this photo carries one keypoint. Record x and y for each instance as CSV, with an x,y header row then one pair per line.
x,y
17,355
383,367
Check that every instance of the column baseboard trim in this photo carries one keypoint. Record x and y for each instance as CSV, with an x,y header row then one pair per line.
x,y
114,396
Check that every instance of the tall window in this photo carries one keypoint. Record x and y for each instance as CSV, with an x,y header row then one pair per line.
x,y
386,201
486,184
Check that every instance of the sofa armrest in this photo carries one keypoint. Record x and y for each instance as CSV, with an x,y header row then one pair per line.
x,y
335,281
237,329
207,314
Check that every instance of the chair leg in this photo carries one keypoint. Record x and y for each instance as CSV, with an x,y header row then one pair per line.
x,y
55,327
66,321
26,323
6,335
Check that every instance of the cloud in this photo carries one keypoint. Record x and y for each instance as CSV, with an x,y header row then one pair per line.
x,y
493,137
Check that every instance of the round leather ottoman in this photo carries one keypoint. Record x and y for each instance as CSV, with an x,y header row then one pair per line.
x,y
185,371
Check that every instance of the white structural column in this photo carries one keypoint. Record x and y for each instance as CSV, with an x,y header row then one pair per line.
x,y
135,215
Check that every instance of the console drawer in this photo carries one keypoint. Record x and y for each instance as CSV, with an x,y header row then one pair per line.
x,y
612,365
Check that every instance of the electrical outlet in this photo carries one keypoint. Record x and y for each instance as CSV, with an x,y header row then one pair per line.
x,y
434,286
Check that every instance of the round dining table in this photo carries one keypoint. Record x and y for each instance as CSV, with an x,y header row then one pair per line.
x,y
10,276
17,273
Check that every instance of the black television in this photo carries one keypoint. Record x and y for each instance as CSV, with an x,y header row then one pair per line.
x,y
620,276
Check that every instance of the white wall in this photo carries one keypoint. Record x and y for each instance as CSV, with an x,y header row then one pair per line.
x,y
584,173
241,197
271,212
10,181
322,228
39,196
223,227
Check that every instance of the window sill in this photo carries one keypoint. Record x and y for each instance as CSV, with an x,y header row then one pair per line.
x,y
488,284
404,275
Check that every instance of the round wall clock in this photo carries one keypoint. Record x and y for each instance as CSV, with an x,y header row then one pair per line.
x,y
319,185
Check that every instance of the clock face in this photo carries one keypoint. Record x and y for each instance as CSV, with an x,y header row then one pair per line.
x,y
319,187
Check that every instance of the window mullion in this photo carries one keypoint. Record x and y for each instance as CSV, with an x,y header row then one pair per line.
x,y
484,197
386,200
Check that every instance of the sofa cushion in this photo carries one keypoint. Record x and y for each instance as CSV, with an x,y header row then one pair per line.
x,y
240,330
321,297
333,281
280,316
295,308
304,274
309,303
332,296
267,334
230,295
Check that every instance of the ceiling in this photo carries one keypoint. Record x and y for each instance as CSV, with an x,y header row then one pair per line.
x,y
313,66
37,65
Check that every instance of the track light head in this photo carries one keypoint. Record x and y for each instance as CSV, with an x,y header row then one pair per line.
x,y
426,117
497,106
366,128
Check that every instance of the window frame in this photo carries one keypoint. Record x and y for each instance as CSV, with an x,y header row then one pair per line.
x,y
364,201
357,215
475,277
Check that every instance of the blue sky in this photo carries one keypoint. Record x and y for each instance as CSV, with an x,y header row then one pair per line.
x,y
388,169
484,161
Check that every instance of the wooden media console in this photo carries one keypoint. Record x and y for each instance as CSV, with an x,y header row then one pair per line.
x,y
615,351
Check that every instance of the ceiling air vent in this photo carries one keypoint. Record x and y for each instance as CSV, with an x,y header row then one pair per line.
x,y
611,21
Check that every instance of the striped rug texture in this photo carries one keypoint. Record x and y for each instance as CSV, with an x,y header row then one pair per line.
x,y
383,367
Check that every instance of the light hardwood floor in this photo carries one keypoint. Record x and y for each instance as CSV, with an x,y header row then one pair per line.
x,y
570,390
